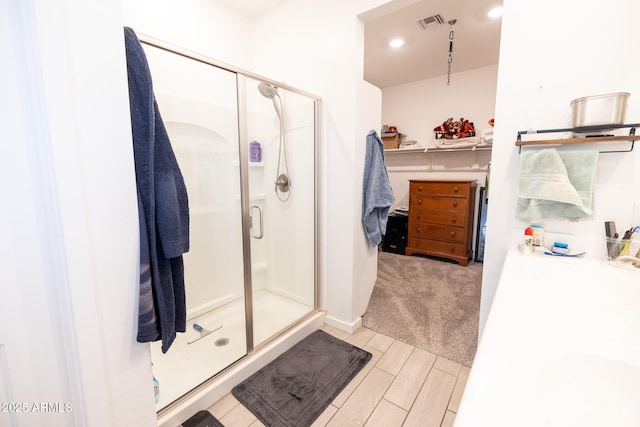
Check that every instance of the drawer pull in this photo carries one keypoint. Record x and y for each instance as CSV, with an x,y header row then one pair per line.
x,y
453,249
455,204
419,201
418,244
419,215
418,230
455,189
420,188
453,234
453,219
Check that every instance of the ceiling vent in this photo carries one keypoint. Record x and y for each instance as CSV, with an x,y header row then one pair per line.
x,y
431,21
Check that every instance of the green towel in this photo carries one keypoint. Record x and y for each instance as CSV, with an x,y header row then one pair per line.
x,y
556,185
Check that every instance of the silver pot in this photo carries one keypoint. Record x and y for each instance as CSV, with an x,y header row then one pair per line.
x,y
597,110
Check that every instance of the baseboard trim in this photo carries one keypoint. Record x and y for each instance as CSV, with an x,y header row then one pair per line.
x,y
347,327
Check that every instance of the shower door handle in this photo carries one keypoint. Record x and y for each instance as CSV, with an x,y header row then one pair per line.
x,y
261,235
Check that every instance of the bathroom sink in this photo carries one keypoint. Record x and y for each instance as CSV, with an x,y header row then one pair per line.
x,y
578,381
561,348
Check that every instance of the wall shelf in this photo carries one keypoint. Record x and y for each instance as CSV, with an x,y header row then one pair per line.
x,y
426,156
251,164
430,150
599,134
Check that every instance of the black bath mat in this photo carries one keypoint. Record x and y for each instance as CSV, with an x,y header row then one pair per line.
x,y
202,419
298,385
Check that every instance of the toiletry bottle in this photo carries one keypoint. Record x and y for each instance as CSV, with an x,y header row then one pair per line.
x,y
156,388
156,385
527,246
255,152
538,235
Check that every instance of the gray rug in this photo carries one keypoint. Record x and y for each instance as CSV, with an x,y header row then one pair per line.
x,y
431,304
298,385
202,419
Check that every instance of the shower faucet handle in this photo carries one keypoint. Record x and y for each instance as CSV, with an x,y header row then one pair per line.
x,y
283,183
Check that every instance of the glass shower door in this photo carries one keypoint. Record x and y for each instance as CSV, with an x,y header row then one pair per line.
x,y
199,106
250,272
281,177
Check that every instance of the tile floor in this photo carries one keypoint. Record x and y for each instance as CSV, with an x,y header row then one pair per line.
x,y
401,386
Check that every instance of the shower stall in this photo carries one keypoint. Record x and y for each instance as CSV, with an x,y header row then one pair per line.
x,y
251,271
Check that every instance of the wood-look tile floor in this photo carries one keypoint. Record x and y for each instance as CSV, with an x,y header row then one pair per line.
x,y
400,386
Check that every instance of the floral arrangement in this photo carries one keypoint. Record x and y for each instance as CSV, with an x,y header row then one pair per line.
x,y
453,129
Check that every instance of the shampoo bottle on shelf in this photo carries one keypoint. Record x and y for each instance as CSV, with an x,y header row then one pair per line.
x,y
255,152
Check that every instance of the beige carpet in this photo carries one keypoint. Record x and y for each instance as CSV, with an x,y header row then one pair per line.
x,y
428,303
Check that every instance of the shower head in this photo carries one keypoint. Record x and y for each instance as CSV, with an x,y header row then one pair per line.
x,y
267,90
271,92
283,182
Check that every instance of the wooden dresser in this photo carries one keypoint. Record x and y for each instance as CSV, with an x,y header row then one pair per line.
x,y
441,218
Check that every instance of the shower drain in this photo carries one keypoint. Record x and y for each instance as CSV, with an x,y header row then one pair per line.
x,y
220,342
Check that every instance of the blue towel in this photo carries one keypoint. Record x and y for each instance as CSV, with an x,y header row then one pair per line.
x,y
148,328
163,208
377,195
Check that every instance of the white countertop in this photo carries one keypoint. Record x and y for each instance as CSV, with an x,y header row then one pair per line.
x,y
561,347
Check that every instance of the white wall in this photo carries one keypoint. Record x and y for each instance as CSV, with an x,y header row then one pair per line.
x,y
202,26
80,175
318,46
365,257
551,53
416,108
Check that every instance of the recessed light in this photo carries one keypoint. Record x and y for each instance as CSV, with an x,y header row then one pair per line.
x,y
396,42
496,12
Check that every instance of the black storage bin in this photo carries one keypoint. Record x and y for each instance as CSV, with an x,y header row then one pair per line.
x,y
395,239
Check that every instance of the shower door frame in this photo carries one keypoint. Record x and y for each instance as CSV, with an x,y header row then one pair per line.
x,y
243,145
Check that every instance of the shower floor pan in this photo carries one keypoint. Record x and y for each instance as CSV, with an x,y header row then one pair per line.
x,y
185,366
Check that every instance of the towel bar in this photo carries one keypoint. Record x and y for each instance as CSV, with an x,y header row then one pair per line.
x,y
589,139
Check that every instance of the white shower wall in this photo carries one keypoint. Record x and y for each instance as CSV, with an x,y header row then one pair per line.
x,y
198,103
287,248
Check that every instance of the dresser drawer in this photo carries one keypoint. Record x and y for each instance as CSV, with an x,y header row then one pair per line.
x,y
462,189
437,247
435,231
419,201
438,217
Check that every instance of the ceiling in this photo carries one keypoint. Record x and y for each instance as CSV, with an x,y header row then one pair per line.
x,y
476,40
252,8
476,37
